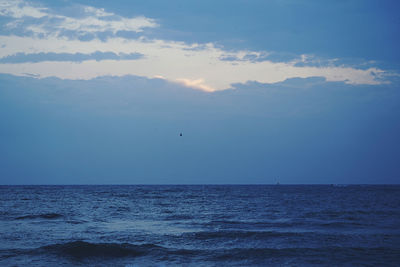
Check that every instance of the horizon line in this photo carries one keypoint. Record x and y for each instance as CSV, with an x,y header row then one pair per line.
x,y
208,184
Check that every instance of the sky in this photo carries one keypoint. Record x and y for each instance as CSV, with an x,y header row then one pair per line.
x,y
296,92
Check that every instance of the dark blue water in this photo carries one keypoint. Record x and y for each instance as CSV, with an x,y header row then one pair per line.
x,y
199,225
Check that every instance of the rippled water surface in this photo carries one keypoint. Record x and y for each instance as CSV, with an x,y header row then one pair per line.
x,y
199,225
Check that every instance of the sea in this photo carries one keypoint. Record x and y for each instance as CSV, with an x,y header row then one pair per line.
x,y
200,225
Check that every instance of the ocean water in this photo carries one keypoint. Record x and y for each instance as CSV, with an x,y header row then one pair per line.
x,y
255,225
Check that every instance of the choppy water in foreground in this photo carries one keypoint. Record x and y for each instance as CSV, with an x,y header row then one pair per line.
x,y
199,225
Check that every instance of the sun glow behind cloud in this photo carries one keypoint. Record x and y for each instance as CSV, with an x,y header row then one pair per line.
x,y
205,67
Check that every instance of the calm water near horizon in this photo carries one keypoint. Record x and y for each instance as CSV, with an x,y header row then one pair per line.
x,y
200,225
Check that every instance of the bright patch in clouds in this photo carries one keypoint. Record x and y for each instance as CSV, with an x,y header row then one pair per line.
x,y
204,67
197,84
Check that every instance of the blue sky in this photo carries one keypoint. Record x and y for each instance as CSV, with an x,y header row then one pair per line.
x,y
295,91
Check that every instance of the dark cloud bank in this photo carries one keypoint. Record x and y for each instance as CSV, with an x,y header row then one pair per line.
x,y
74,57
126,130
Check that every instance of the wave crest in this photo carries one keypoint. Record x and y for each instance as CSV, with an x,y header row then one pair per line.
x,y
82,249
40,216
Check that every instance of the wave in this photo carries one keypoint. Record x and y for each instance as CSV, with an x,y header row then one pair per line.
x,y
341,224
306,256
40,216
178,217
323,255
76,221
82,249
256,224
228,234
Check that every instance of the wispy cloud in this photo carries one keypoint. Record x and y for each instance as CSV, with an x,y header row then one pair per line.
x,y
19,9
91,20
245,56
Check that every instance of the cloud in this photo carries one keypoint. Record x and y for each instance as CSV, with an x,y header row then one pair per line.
x,y
98,12
91,20
172,60
19,9
93,24
52,46
250,56
77,57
